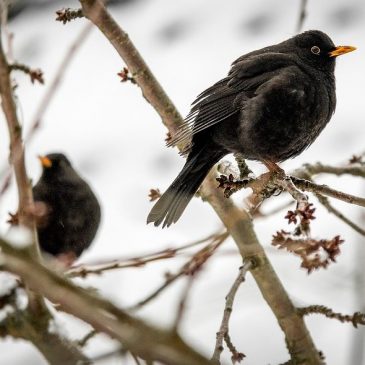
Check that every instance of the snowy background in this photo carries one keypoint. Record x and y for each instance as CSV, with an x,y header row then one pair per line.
x,y
116,140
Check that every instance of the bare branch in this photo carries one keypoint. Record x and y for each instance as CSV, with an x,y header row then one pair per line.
x,y
182,303
34,74
356,319
306,185
326,203
224,327
83,270
189,268
56,81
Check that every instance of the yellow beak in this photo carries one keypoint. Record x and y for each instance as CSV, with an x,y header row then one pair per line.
x,y
340,50
45,161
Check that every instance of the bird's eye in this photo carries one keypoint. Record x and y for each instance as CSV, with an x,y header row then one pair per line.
x,y
316,50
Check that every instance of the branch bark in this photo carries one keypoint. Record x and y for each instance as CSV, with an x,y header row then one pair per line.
x,y
143,340
238,222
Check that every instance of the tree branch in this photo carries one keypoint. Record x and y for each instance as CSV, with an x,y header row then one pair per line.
x,y
356,318
306,185
143,340
224,327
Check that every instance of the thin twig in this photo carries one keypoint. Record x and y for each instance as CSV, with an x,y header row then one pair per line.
x,y
287,184
182,303
83,270
189,267
86,338
306,185
56,81
326,203
319,168
224,327
356,318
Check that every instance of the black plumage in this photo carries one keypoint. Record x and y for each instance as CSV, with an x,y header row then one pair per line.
x,y
273,104
72,213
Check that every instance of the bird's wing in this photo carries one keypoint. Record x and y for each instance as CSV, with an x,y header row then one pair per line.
x,y
226,97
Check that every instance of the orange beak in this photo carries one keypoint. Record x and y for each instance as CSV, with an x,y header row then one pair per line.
x,y
45,161
340,50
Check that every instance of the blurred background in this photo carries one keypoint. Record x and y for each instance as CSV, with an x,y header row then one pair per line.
x,y
116,140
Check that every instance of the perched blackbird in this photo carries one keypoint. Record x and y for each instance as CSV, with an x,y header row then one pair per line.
x,y
68,209
272,105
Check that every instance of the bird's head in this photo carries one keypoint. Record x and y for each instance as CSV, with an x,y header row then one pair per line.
x,y
54,164
317,49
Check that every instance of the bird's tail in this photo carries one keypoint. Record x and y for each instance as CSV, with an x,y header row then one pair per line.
x,y
173,202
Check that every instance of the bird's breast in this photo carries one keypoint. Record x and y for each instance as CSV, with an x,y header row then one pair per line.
x,y
284,120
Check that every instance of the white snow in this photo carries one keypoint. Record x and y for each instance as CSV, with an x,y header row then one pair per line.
x,y
19,237
56,327
7,283
5,311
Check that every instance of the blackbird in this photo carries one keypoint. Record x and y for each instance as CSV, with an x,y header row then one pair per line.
x,y
69,210
273,104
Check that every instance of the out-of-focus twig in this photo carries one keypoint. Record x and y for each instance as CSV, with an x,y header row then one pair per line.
x,y
83,270
181,308
189,268
326,203
57,79
34,74
302,15
224,327
87,338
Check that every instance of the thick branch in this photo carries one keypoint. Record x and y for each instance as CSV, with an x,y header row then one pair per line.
x,y
56,349
141,339
95,11
16,145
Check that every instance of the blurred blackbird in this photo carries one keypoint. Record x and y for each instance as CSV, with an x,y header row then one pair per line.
x,y
68,209
272,105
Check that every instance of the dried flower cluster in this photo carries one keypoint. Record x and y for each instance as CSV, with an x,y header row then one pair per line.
x,y
125,76
230,185
34,74
66,15
314,253
154,194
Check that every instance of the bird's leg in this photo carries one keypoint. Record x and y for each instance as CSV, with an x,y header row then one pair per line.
x,y
273,167
66,259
